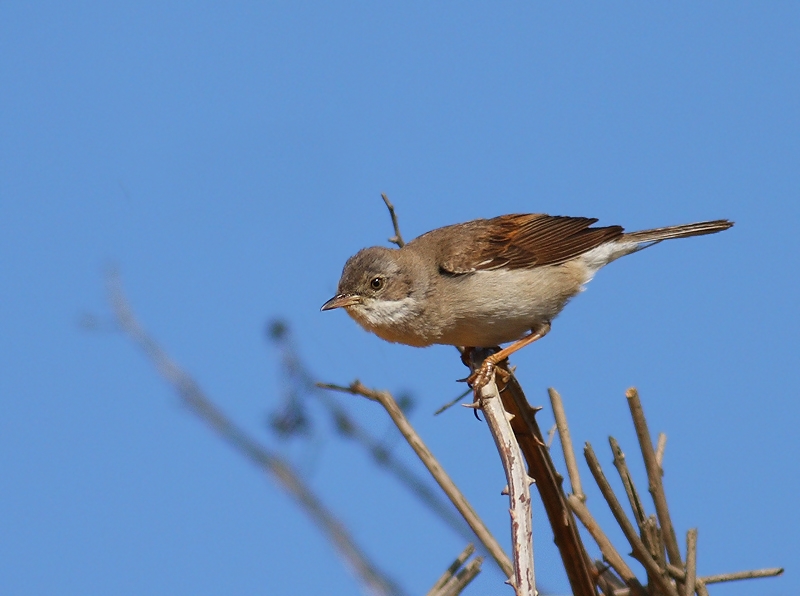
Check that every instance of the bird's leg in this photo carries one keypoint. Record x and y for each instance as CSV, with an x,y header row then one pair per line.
x,y
480,377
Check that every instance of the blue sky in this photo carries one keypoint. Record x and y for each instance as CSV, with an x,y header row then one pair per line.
x,y
228,158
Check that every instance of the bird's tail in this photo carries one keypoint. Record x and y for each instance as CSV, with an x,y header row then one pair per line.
x,y
683,231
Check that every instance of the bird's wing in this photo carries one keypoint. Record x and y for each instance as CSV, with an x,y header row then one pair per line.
x,y
523,241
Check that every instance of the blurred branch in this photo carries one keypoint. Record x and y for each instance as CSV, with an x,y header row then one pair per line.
x,y
190,394
385,399
303,382
453,401
519,495
458,575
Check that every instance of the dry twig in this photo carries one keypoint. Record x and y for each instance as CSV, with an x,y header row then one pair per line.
x,y
610,554
566,443
397,238
691,562
656,487
640,551
385,399
679,574
729,577
627,481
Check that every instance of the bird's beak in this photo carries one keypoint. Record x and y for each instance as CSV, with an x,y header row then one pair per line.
x,y
341,300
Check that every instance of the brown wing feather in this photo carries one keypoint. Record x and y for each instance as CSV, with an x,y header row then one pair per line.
x,y
523,241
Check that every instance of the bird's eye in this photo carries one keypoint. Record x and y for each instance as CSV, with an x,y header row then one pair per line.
x,y
376,283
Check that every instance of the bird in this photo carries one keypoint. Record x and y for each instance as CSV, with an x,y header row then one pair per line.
x,y
487,282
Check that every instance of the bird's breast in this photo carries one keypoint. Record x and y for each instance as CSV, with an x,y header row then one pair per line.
x,y
489,308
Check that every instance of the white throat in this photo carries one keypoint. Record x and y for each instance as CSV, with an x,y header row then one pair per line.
x,y
385,317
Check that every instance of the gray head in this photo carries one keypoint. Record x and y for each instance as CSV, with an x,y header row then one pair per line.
x,y
371,274
378,290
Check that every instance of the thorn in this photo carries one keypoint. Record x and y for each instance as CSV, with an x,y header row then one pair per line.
x,y
531,480
537,409
509,416
474,407
504,491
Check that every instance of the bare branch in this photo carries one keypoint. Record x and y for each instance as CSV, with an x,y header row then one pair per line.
x,y
385,399
691,562
519,495
198,403
648,528
654,477
729,577
627,481
610,554
397,238
566,443
639,549
700,588
652,538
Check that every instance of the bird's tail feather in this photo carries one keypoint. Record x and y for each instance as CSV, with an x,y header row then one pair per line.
x,y
682,231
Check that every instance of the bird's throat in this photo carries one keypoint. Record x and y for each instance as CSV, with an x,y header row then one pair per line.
x,y
391,320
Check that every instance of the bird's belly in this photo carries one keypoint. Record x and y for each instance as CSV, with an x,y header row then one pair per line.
x,y
496,307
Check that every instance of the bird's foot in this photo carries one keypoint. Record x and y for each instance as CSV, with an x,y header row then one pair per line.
x,y
480,377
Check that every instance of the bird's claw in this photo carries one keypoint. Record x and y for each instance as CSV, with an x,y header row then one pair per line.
x,y
478,379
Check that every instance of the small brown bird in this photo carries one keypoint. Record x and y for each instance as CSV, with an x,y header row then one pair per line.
x,y
486,282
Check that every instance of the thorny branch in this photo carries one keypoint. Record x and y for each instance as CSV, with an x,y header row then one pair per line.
x,y
581,573
519,496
